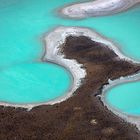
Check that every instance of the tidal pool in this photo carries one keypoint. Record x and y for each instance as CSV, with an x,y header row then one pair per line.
x,y
125,98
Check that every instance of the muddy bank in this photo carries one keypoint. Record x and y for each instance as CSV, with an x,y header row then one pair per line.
x,y
83,116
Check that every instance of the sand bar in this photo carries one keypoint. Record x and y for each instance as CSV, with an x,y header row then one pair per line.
x,y
97,8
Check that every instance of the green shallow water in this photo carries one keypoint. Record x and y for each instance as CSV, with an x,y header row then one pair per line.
x,y
22,25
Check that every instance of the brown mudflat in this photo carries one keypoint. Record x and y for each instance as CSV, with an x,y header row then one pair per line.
x,y
82,117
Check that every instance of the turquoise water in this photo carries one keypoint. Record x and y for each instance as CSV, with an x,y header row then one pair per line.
x,y
24,22
34,82
125,98
22,25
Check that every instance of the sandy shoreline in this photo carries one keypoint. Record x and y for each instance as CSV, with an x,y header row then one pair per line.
x,y
62,32
83,113
97,8
53,46
53,43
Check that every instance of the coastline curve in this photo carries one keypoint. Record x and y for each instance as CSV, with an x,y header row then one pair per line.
x,y
53,46
128,118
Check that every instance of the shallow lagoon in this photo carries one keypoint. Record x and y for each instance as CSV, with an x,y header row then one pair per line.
x,y
33,83
125,98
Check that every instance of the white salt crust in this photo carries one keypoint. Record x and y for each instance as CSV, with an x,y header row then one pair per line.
x,y
97,8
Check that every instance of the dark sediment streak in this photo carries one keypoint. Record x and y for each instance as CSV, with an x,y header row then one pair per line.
x,y
83,116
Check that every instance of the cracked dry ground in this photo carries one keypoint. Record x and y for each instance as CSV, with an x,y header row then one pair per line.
x,y
83,116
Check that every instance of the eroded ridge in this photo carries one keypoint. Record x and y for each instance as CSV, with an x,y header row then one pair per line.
x,y
97,8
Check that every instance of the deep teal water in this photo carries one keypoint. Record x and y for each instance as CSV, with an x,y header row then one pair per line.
x,y
22,25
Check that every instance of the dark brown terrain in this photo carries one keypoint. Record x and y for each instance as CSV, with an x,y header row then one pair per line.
x,y
82,117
